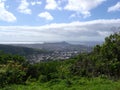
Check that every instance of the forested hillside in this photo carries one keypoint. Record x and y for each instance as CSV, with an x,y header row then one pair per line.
x,y
23,51
104,60
97,70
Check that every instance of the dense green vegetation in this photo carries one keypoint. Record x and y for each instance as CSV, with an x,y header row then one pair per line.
x,y
12,69
98,70
103,61
76,84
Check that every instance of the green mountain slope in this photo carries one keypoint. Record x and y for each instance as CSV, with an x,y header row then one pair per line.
x,y
24,51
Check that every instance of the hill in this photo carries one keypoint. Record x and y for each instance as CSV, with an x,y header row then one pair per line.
x,y
20,50
23,51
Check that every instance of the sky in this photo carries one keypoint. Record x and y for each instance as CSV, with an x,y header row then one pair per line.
x,y
58,20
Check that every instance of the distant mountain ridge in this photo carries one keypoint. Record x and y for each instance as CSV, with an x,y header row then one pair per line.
x,y
60,46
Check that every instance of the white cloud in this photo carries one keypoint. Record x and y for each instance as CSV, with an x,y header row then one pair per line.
x,y
73,15
83,6
4,14
116,7
39,2
33,3
51,4
36,3
46,15
24,7
95,30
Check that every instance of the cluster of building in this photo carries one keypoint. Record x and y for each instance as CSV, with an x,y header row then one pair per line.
x,y
56,55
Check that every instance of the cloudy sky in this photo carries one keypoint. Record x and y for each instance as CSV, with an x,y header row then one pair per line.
x,y
58,20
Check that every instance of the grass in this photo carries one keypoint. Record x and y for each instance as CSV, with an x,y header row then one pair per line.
x,y
69,84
